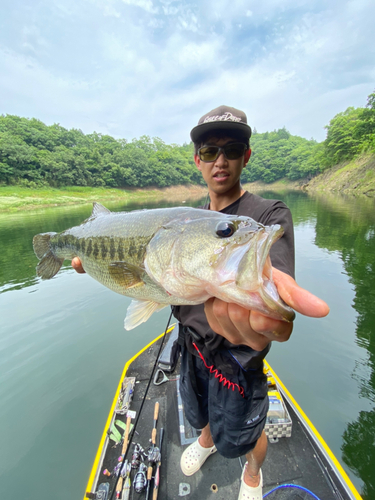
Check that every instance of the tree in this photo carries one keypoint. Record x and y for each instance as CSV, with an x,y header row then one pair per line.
x,y
367,127
33,153
343,141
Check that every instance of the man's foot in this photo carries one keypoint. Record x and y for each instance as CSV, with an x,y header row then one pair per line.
x,y
254,491
194,457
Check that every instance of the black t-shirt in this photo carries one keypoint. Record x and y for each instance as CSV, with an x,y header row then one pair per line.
x,y
266,212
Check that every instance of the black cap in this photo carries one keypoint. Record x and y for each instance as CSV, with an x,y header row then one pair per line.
x,y
222,118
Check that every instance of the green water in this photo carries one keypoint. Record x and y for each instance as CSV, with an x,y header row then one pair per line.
x,y
63,348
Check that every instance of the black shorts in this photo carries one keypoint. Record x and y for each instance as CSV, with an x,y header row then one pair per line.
x,y
236,421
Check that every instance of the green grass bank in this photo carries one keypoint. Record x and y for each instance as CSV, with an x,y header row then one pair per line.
x,y
356,177
14,198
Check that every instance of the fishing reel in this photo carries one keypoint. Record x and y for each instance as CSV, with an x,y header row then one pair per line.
x,y
125,470
138,456
153,455
140,479
117,469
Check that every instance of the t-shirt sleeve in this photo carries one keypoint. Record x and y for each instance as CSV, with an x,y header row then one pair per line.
x,y
282,252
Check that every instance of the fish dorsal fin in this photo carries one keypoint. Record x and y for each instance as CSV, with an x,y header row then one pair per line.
x,y
126,275
98,209
139,311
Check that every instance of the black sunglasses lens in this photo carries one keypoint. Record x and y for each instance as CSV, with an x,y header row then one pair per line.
x,y
209,153
231,152
234,151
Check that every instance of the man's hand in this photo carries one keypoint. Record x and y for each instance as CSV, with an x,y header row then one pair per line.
x,y
241,326
77,265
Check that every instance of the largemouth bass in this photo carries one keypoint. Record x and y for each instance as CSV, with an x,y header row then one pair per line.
x,y
171,256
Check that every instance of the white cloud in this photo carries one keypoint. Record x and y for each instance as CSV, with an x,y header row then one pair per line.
x,y
147,5
110,11
156,68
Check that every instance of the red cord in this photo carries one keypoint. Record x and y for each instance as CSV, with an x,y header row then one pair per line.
x,y
227,383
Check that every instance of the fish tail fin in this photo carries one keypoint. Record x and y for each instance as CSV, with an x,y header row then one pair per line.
x,y
49,264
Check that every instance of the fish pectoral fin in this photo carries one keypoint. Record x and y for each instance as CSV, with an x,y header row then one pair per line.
x,y
125,274
139,311
49,266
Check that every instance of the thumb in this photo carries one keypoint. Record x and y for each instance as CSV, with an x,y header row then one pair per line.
x,y
298,298
77,265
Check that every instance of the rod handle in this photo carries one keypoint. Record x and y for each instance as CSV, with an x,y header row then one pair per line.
x,y
156,411
126,436
153,436
149,473
119,487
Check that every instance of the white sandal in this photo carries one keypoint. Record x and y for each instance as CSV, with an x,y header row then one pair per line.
x,y
248,492
194,457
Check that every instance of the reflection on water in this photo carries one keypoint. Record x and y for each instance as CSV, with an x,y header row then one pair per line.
x,y
350,230
62,346
346,227
358,450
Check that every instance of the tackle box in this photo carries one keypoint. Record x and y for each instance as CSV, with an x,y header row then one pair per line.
x,y
278,423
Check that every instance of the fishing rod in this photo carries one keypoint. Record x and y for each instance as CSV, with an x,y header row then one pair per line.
x,y
157,473
153,452
126,491
143,401
124,468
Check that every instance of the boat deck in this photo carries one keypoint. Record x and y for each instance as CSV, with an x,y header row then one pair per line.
x,y
296,460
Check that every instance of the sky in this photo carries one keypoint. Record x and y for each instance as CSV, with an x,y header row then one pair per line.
x,y
129,68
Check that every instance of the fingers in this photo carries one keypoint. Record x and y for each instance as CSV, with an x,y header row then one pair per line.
x,y
232,322
77,265
298,298
272,329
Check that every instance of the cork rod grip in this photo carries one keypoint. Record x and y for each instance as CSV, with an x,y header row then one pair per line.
x,y
119,484
149,473
126,436
153,436
156,411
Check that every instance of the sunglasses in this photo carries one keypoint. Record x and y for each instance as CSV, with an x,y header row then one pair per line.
x,y
231,152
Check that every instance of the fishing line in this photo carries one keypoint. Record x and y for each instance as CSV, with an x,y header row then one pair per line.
x,y
140,409
292,486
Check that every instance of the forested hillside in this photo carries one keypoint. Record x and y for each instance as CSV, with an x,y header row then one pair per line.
x,y
33,154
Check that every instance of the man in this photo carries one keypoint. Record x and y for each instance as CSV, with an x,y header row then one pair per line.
x,y
222,383
224,343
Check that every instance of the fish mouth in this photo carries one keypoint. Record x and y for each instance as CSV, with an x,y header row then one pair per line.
x,y
268,290
255,266
265,242
255,273
247,262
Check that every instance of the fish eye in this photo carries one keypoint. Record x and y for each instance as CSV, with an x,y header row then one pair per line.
x,y
225,229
